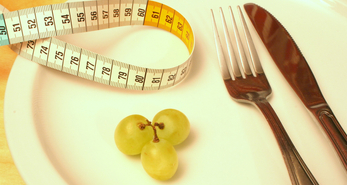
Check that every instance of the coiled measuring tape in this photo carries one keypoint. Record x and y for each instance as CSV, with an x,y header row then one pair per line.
x,y
30,33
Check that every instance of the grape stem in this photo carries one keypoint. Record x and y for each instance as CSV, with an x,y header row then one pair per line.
x,y
161,126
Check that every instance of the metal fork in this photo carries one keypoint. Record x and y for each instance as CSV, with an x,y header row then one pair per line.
x,y
246,82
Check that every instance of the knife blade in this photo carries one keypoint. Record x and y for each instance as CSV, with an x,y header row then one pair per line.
x,y
292,64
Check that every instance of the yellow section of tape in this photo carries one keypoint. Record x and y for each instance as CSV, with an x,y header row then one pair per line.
x,y
166,18
153,13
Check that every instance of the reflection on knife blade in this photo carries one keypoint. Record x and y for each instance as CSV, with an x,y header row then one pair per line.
x,y
295,69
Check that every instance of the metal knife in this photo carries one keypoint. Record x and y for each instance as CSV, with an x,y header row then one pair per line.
x,y
295,69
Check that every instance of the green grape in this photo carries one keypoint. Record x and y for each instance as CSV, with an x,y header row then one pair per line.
x,y
130,137
176,125
159,159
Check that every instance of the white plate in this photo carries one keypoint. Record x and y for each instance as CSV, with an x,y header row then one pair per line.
x,y
60,127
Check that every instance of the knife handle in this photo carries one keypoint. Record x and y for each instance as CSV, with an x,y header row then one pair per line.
x,y
333,130
299,173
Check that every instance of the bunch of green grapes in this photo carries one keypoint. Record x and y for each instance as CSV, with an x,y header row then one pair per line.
x,y
154,140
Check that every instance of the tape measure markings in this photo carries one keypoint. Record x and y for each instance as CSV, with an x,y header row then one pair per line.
x,y
125,17
87,65
120,75
114,12
44,22
40,53
55,59
63,27
57,19
28,16
165,21
103,12
77,17
91,15
15,34
3,32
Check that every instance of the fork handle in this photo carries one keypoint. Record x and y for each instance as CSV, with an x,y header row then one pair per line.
x,y
299,173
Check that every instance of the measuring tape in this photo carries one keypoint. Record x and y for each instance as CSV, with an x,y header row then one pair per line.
x,y
30,33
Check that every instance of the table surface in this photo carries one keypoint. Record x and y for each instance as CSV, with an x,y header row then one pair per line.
x,y
8,170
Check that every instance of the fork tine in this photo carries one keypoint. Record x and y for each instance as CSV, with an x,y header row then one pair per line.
x,y
254,59
242,59
248,62
221,58
243,62
228,65
234,65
